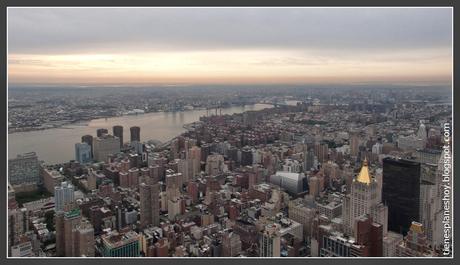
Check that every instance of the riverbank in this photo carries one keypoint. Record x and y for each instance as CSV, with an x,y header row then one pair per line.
x,y
82,122
57,145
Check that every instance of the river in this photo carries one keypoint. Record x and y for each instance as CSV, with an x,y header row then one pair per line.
x,y
58,145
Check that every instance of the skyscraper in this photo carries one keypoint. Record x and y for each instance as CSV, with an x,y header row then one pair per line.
x,y
83,153
89,140
149,204
363,200
422,134
303,211
401,193
415,243
84,243
270,241
100,132
431,210
135,133
18,224
118,132
195,155
185,167
246,156
63,195
66,222
24,169
369,235
104,146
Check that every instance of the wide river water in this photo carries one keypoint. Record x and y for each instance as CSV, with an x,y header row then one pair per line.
x,y
58,145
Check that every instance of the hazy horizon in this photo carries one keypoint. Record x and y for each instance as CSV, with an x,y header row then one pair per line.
x,y
229,46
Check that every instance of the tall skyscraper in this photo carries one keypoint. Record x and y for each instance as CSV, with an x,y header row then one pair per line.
x,y
24,169
246,156
185,167
83,153
18,224
369,235
149,204
104,146
194,154
84,243
63,195
363,200
66,222
135,133
101,132
401,193
309,160
270,241
321,151
118,132
431,210
89,140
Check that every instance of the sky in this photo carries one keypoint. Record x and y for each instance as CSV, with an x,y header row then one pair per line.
x,y
229,45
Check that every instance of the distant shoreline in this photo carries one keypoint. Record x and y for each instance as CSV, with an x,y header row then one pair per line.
x,y
85,122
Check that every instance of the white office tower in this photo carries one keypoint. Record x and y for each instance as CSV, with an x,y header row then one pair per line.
x,y
431,208
270,241
421,133
63,195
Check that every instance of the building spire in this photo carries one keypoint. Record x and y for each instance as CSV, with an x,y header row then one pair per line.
x,y
364,176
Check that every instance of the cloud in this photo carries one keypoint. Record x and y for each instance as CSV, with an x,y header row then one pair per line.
x,y
70,30
220,44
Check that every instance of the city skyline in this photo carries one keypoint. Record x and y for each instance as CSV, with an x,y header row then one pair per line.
x,y
229,46
237,132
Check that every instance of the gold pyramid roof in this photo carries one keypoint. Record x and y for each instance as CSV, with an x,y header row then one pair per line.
x,y
364,176
416,227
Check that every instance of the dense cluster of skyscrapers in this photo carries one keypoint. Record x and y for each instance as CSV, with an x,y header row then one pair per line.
x,y
284,182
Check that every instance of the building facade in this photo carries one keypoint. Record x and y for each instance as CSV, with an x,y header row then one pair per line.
x,y
24,169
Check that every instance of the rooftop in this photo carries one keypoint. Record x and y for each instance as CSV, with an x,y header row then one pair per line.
x,y
364,176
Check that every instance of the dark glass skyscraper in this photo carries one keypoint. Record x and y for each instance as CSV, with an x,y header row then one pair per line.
x,y
118,132
246,157
135,133
89,140
101,131
401,193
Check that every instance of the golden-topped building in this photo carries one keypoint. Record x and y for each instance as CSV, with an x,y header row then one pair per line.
x,y
364,199
364,176
415,243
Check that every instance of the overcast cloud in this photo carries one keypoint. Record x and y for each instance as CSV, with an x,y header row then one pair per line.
x,y
236,45
59,30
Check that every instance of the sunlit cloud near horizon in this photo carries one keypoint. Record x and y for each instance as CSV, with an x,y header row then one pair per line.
x,y
211,45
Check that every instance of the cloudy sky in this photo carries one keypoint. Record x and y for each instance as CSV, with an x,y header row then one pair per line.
x,y
229,45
